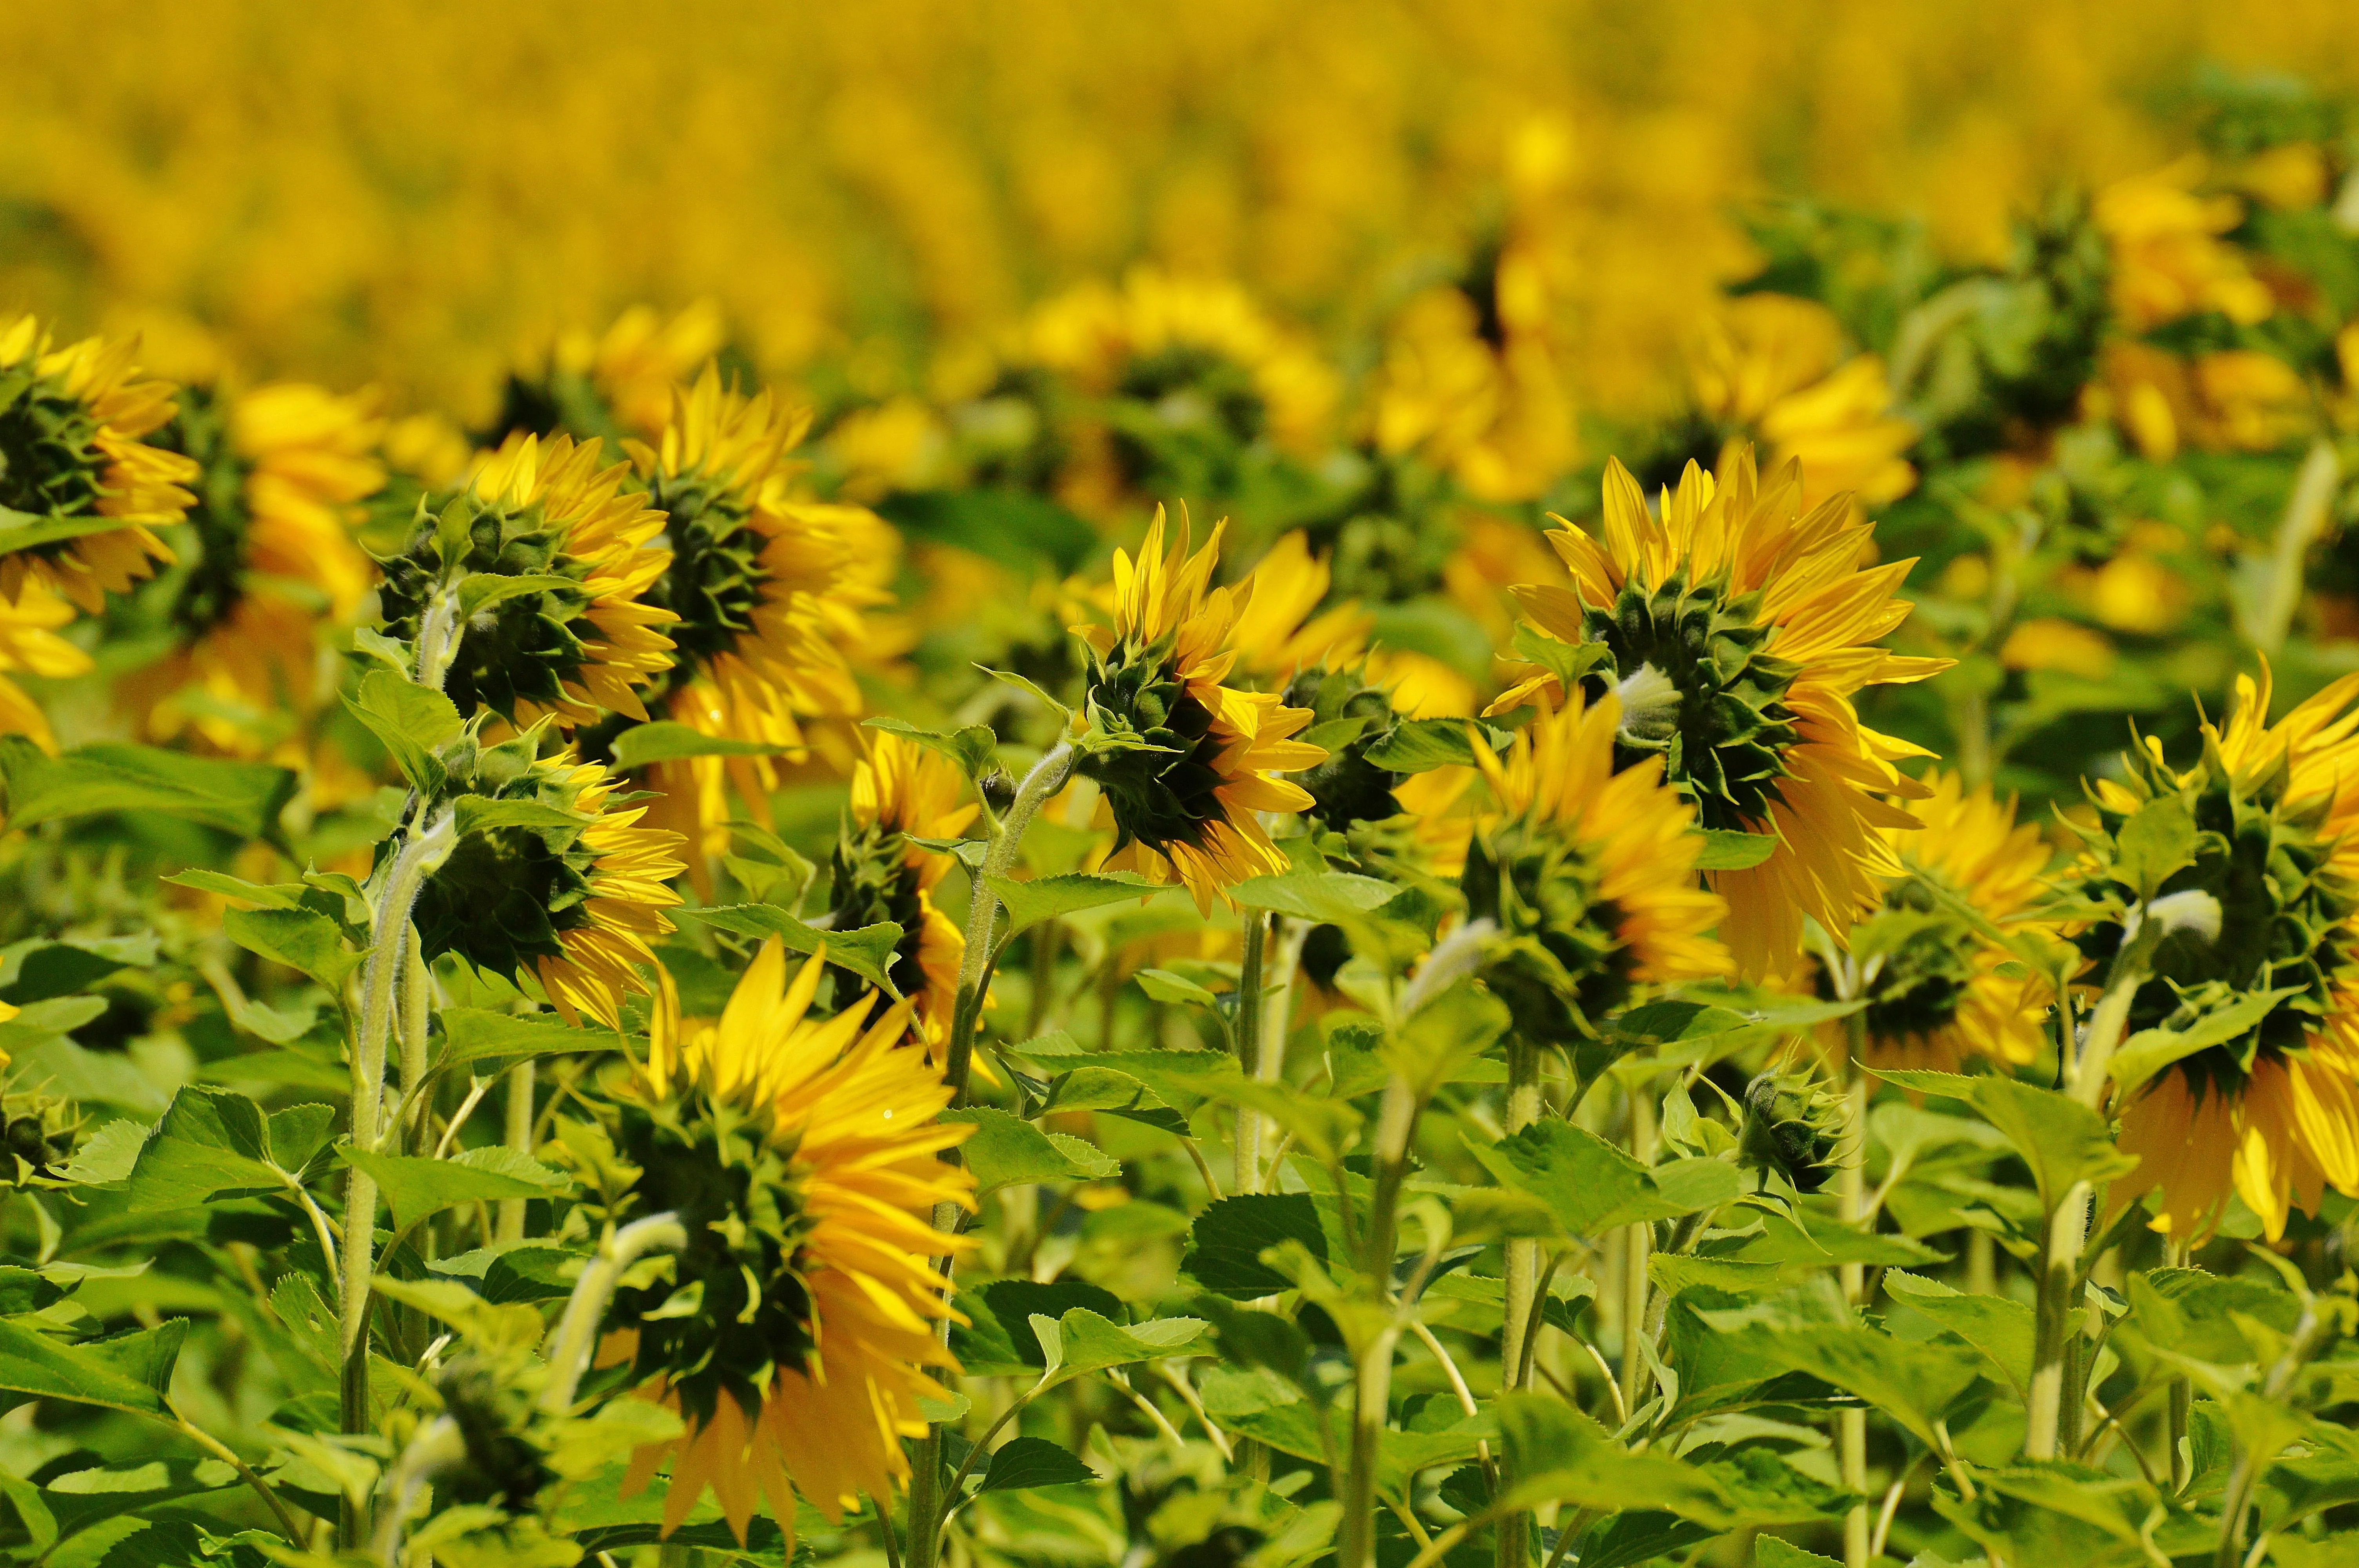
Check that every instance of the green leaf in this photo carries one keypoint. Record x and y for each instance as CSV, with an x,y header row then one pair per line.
x,y
415,1187
1226,1241
666,740
1431,1048
1323,1128
210,1143
1420,745
1018,528
1916,1385
1008,1150
80,1498
26,530
308,943
2001,1329
127,1372
1048,898
481,814
1319,897
1163,985
475,1037
2061,1140
479,591
1025,1462
1769,1552
1726,849
2159,839
973,747
2149,1051
240,798
1556,1453
412,721
36,969
1009,677
1566,661
1082,1341
865,951
1592,1186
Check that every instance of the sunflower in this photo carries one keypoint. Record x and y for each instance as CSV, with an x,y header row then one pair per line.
x,y
1587,873
613,385
1736,631
1943,990
2271,1112
801,1155
902,791
1186,796
576,903
766,590
2169,260
1191,376
542,509
281,472
1281,630
72,428
29,644
1771,368
1472,380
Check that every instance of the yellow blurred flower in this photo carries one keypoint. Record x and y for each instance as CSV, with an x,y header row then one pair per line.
x,y
2051,642
2169,259
1772,369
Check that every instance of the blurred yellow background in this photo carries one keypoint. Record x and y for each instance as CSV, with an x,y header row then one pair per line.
x,y
415,194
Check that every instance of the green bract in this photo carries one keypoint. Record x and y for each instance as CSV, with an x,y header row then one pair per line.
x,y
520,648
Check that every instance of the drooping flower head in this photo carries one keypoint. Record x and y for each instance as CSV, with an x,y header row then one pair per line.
x,y
1735,629
766,589
1192,375
796,1336
1186,795
573,891
74,424
282,469
1588,875
610,384
2273,1111
541,510
902,791
1942,991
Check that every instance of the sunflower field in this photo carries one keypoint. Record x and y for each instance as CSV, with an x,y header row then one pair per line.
x,y
1350,784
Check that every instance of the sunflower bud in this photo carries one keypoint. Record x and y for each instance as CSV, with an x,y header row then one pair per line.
x,y
37,1134
493,1407
1794,1127
1346,788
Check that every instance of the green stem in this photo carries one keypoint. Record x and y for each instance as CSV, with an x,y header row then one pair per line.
x,y
413,1009
1249,1048
294,1532
1047,775
1372,1381
2182,1400
411,864
2311,1337
1513,1539
1637,1241
571,1343
1851,1192
2068,1224
508,1225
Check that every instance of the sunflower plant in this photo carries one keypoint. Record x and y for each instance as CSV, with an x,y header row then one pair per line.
x,y
773,959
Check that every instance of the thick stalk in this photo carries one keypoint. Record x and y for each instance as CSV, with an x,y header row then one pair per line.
x,y
2182,1400
509,1225
1637,1241
2053,1341
1523,1282
390,922
575,1337
1851,1192
1047,775
414,1009
1249,1047
1373,1377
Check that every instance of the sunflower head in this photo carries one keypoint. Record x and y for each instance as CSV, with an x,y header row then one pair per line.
x,y
570,631
1733,629
37,1134
548,875
794,1332
900,789
77,466
1940,989
1587,876
1187,763
2252,912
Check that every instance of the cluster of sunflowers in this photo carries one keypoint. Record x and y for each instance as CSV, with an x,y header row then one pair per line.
x,y
708,969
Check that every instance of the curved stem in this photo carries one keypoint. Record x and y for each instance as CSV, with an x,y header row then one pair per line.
x,y
222,1451
576,1335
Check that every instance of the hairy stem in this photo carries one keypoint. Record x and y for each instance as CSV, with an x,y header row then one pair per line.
x,y
1249,1048
1372,1381
509,1224
1514,1540
1851,1192
571,1343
